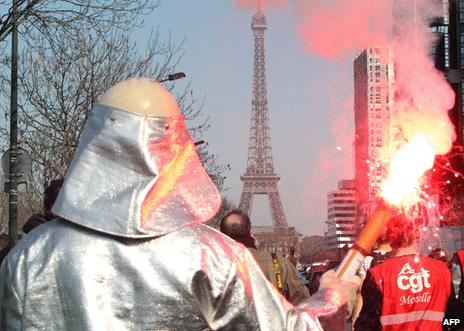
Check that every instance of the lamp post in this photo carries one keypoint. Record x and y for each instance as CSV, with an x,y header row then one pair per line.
x,y
199,142
13,185
171,77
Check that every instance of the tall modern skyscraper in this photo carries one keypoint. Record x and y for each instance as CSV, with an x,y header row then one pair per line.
x,y
341,215
451,29
373,75
441,50
260,176
449,58
373,99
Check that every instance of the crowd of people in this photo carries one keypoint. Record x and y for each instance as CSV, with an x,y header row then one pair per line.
x,y
130,211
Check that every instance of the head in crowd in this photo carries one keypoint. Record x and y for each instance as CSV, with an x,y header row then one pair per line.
x,y
382,244
439,254
382,240
6,242
34,221
401,232
51,193
236,224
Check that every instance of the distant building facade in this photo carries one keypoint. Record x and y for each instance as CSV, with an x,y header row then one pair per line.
x,y
341,215
277,240
448,56
311,245
373,78
451,28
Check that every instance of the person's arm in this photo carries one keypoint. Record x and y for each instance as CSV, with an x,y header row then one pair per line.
x,y
369,317
245,300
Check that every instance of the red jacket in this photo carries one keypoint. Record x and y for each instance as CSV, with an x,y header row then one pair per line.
x,y
413,293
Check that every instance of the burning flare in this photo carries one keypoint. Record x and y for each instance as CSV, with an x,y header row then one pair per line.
x,y
400,189
406,168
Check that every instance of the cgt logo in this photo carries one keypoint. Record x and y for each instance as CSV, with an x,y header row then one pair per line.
x,y
409,279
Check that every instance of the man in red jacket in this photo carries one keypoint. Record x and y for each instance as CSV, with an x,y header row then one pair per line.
x,y
408,291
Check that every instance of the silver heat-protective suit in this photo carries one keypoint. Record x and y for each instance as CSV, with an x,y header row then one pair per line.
x,y
129,251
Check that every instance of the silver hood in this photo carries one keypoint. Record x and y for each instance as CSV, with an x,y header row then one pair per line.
x,y
136,176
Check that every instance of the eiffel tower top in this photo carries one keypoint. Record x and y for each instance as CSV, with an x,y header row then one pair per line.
x,y
258,6
259,20
259,162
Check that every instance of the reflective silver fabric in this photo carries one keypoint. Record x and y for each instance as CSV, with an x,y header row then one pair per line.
x,y
115,172
66,277
456,275
127,252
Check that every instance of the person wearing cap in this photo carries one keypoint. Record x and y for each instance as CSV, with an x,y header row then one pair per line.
x,y
440,255
130,212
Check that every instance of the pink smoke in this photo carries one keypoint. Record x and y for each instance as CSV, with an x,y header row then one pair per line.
x,y
334,160
334,28
263,4
331,28
421,95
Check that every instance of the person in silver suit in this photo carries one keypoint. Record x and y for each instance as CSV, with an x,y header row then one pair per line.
x,y
128,250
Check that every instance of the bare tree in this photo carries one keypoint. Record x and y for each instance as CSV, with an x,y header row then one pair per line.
x,y
75,50
50,17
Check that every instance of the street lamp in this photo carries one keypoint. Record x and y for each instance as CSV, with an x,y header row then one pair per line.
x,y
199,142
176,76
13,185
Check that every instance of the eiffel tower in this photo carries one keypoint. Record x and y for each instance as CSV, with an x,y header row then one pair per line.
x,y
260,177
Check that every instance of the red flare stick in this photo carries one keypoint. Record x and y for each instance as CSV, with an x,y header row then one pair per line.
x,y
365,242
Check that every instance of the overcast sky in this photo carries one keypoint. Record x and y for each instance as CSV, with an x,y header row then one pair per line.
x,y
309,102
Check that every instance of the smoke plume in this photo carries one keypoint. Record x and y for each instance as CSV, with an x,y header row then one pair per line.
x,y
262,4
422,96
